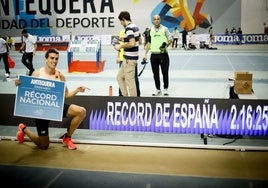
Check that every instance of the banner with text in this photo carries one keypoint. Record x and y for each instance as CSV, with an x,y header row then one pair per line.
x,y
101,17
179,115
39,98
241,39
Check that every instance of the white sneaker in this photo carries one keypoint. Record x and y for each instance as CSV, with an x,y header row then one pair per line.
x,y
165,92
157,93
6,78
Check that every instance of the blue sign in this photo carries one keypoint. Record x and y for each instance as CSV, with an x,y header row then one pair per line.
x,y
40,98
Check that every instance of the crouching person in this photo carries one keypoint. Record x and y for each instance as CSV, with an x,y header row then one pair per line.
x,y
75,112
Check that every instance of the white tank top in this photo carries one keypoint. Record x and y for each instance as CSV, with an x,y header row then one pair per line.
x,y
55,76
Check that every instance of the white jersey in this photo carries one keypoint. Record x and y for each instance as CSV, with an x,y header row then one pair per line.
x,y
30,42
3,48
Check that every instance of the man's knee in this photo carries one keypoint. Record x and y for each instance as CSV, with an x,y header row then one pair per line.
x,y
83,112
43,142
44,146
80,111
119,78
76,111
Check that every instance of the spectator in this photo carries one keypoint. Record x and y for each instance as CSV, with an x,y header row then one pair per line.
x,y
193,41
184,38
4,50
211,36
126,73
240,36
146,34
233,31
28,48
120,59
160,39
226,31
175,36
10,42
265,28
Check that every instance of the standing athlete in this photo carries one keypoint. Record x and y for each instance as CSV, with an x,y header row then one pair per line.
x,y
28,48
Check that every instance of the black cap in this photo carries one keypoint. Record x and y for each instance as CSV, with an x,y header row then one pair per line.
x,y
24,31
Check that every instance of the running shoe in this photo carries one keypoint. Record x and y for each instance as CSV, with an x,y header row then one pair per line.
x,y
157,93
165,92
69,143
7,75
21,133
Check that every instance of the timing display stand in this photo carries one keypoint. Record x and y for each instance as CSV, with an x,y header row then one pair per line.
x,y
232,95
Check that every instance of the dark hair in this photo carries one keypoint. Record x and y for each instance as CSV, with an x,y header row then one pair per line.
x,y
51,50
124,15
24,31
